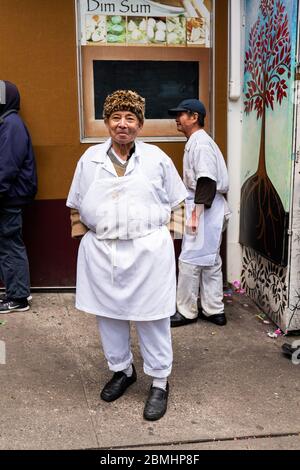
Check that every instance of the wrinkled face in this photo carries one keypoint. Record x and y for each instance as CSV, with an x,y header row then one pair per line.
x,y
186,121
123,127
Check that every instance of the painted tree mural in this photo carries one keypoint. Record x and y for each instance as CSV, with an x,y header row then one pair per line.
x,y
267,74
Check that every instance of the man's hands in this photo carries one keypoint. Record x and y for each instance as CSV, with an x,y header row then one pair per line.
x,y
192,224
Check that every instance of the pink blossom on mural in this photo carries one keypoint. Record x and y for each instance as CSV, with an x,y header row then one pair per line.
x,y
267,8
268,59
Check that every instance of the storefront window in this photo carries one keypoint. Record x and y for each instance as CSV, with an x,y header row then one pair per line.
x,y
161,49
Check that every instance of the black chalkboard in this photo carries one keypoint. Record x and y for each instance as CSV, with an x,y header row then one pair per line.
x,y
162,83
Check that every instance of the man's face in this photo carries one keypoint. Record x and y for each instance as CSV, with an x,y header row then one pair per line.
x,y
123,127
186,121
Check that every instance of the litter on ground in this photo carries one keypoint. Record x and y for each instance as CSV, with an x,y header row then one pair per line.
x,y
238,287
263,317
275,334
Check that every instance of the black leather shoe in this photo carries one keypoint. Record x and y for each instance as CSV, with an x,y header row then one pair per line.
x,y
156,404
179,320
218,319
117,385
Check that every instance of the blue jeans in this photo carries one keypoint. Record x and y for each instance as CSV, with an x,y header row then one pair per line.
x,y
14,268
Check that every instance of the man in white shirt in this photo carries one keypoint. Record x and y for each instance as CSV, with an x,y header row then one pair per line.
x,y
124,191
206,180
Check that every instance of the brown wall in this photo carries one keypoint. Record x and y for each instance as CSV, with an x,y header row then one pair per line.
x,y
38,53
221,75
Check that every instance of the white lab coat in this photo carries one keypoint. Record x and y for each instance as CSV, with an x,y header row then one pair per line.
x,y
126,262
203,158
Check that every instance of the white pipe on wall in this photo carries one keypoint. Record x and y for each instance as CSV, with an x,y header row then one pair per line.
x,y
235,50
235,113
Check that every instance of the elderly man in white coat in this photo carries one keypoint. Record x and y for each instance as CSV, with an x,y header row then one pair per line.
x,y
206,179
124,191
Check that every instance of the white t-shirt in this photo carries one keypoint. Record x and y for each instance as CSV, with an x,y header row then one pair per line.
x,y
203,158
155,164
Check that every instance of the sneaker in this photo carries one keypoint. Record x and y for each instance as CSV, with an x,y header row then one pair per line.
x,y
14,306
4,298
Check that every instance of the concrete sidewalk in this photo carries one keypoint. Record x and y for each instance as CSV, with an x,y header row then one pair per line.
x,y
231,388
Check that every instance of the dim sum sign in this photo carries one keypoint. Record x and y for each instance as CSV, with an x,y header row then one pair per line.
x,y
123,7
142,22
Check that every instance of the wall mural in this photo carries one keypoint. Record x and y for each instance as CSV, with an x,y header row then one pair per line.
x,y
267,139
265,282
269,286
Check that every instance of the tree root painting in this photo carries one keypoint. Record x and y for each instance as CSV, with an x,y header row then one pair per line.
x,y
263,222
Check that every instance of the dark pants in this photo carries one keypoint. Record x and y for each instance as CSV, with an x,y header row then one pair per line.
x,y
14,269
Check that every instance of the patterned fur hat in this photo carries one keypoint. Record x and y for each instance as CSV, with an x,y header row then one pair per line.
x,y
124,100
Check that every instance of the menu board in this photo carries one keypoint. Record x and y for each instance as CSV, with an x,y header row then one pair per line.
x,y
169,79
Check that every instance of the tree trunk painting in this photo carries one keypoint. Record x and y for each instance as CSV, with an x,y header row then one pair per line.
x,y
263,221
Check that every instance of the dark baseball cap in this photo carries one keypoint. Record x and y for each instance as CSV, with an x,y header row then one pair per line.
x,y
189,105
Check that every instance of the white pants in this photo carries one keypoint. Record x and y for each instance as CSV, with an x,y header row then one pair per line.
x,y
154,340
206,281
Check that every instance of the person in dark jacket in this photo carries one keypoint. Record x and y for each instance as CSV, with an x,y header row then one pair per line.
x,y
18,186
